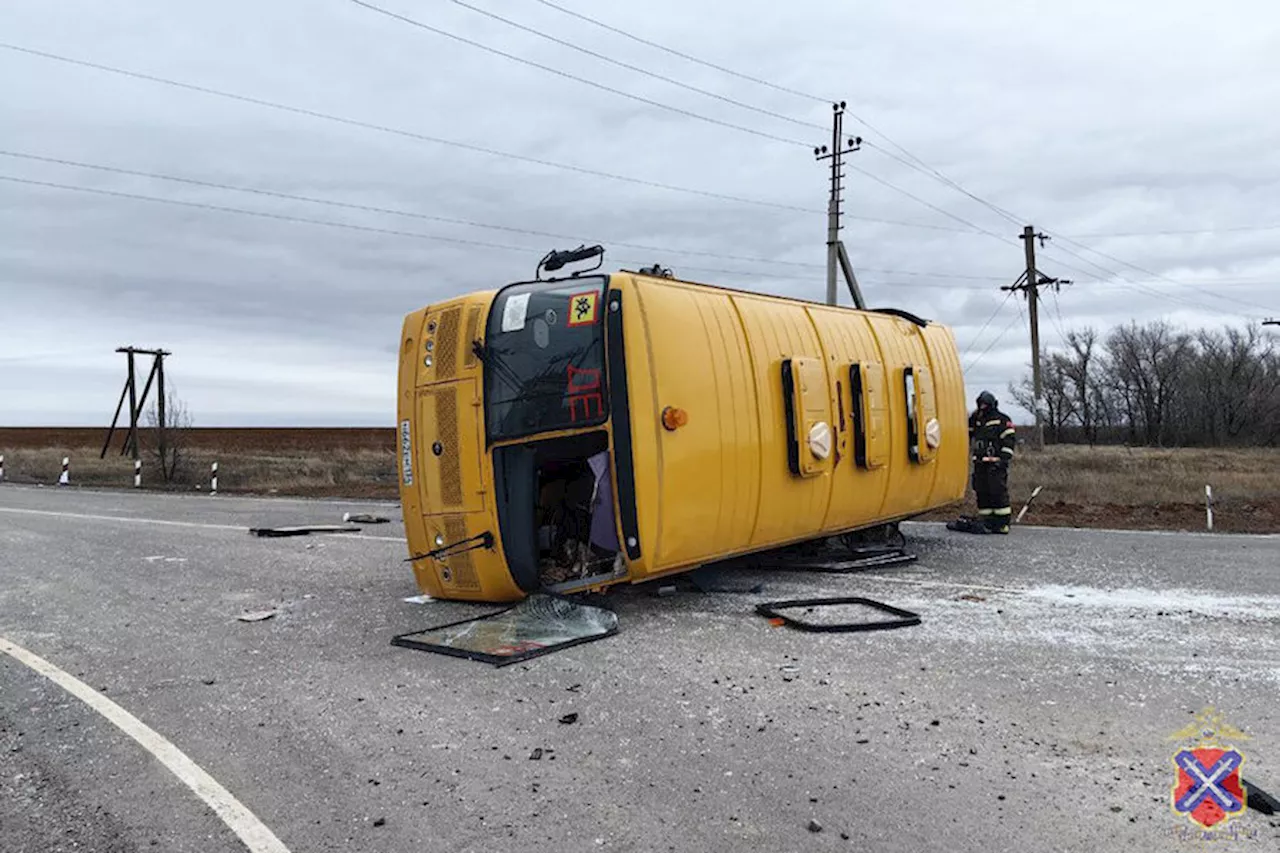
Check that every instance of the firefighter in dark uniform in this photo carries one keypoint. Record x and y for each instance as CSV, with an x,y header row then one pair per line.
x,y
992,438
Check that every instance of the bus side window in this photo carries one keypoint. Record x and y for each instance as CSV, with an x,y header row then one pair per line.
x,y
806,402
913,432
870,431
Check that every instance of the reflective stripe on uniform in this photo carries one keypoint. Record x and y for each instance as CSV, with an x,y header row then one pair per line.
x,y
996,422
986,511
1002,511
1006,433
1008,450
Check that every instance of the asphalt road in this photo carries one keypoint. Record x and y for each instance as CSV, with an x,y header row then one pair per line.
x,y
1031,710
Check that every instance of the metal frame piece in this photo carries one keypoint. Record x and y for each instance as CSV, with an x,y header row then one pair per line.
x,y
904,618
301,530
863,559
515,655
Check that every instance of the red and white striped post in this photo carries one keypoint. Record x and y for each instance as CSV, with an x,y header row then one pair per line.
x,y
137,473
1,467
65,479
213,479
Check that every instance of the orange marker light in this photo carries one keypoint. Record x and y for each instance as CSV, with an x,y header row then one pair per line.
x,y
673,418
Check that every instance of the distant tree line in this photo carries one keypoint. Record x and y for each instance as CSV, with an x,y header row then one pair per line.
x,y
1159,385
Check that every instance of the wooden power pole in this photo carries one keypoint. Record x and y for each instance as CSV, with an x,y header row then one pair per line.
x,y
136,402
1030,283
837,257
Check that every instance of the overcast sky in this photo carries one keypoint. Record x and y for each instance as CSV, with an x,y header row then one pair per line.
x,y
1090,120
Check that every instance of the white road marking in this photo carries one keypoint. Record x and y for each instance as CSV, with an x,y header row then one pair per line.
x,y
222,497
164,522
253,832
1199,534
943,584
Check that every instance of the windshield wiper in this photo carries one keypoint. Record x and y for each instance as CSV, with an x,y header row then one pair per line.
x,y
494,362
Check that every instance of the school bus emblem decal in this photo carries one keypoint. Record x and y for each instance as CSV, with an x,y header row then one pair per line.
x,y
582,309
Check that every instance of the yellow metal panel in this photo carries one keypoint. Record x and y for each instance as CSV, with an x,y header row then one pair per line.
x,y
952,455
706,485
735,392
857,493
789,507
405,416
926,411
875,402
910,483
646,448
449,447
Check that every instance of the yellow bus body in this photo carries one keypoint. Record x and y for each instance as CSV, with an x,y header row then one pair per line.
x,y
800,421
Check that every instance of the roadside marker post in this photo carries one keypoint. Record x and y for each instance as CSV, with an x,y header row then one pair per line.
x,y
1027,505
65,478
1,467
137,473
1208,507
213,479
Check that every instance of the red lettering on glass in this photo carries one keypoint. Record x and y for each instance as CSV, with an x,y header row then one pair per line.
x,y
581,383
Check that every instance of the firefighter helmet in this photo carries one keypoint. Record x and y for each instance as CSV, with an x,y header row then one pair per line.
x,y
986,400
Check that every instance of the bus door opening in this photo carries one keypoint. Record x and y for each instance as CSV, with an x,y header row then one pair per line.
x,y
556,510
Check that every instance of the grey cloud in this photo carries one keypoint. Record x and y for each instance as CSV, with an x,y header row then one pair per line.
x,y
1092,118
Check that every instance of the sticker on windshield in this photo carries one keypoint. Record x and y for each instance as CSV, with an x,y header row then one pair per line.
x,y
582,309
514,313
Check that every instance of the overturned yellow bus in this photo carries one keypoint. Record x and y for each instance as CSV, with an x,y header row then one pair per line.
x,y
577,432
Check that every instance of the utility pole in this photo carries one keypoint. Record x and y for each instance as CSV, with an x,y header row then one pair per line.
x,y
136,401
1030,283
836,254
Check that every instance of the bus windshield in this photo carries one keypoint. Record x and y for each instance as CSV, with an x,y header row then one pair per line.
x,y
544,358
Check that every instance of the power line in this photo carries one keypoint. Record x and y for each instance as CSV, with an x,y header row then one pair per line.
x,y
1153,275
922,165
974,361
479,149
934,274
259,213
583,80
1110,273
927,170
396,212
328,223
924,168
994,313
1059,323
918,200
636,68
1102,235
910,160
138,173
684,56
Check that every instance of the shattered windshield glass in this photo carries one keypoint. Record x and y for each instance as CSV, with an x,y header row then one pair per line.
x,y
544,358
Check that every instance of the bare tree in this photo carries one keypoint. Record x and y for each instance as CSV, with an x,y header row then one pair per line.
x,y
1057,407
1233,371
1159,385
169,436
1147,363
1081,369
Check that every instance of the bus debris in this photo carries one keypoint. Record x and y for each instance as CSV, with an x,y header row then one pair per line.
x,y
302,530
773,611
